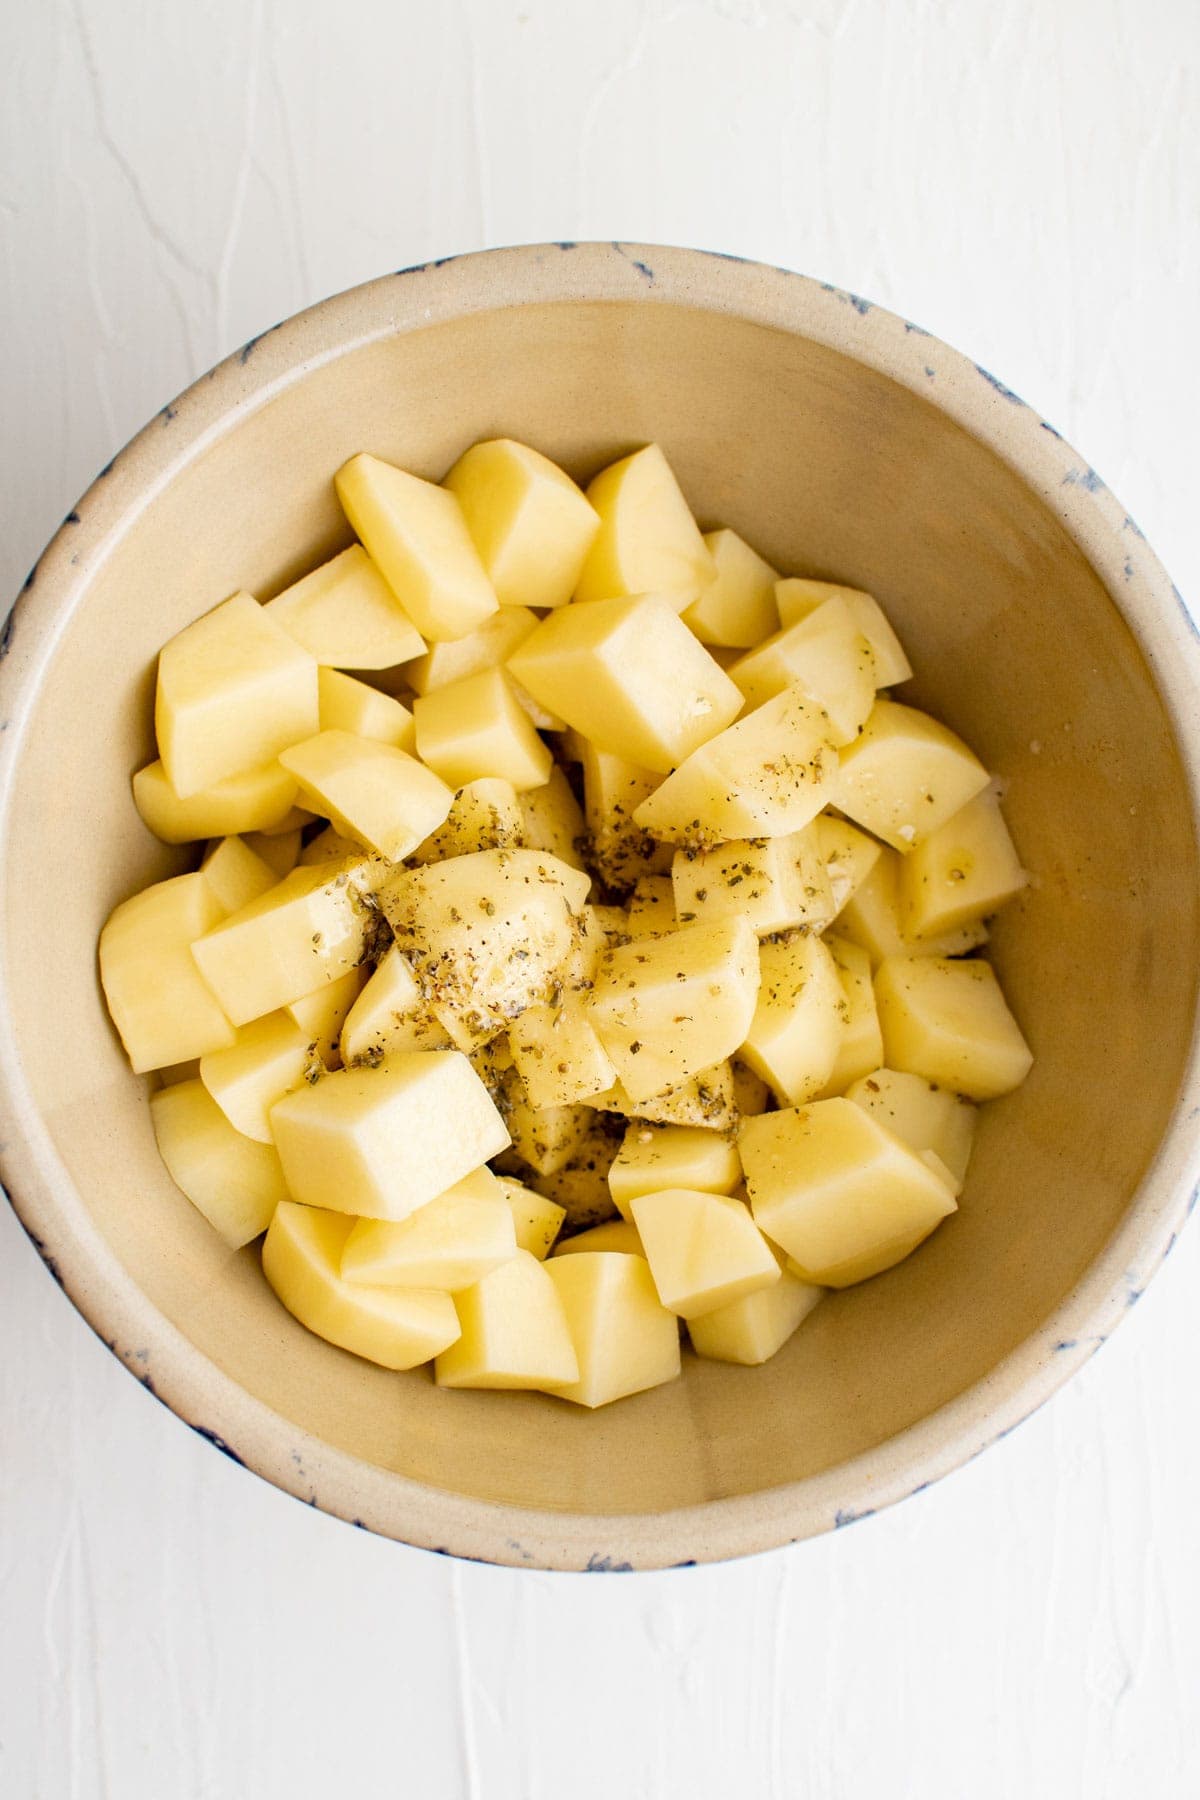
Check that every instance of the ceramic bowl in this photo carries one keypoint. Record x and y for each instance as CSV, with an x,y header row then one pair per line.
x,y
844,443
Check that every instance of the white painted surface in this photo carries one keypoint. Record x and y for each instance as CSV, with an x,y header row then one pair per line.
x,y
1020,178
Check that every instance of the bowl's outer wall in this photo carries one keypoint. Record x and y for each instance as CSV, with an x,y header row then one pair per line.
x,y
831,468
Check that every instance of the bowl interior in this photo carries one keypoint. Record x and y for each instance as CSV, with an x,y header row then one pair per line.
x,y
829,469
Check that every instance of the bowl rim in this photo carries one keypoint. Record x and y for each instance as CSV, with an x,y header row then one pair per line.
x,y
41,1191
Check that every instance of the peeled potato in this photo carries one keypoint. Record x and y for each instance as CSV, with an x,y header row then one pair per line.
x,y
514,1332
529,522
648,541
625,1340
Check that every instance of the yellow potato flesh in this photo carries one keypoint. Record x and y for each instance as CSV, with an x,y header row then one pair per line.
x,y
738,607
450,1243
625,1340
672,1156
650,911
704,1250
529,522
552,819
488,647
279,850
321,1014
921,1115
614,1234
872,918
380,796
160,1003
831,659
617,846
536,1220
860,1047
236,873
773,883
350,705
477,727
796,599
949,1021
704,1101
245,802
233,691
346,616
270,1057
396,1327
389,1015
484,815
849,856
648,541
750,1330
235,1182
558,1055
799,1020
963,872
514,1332
905,776
751,1094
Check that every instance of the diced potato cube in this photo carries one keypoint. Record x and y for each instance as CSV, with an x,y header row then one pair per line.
x,y
580,1185
906,775
328,846
372,792
389,1015
800,1019
557,1054
836,1191
346,616
514,1332
704,1250
270,1057
235,873
484,815
704,1101
350,705
773,883
650,912
233,691
766,776
312,927
536,1220
738,608
752,1329
796,599
177,1072
280,850
243,802
667,1008
553,819
546,1138
619,849
397,1327
965,870
828,656
235,1182
751,1094
871,918
530,523
672,1156
298,818
380,1142
860,1048
925,1117
415,533
625,1339
648,541
162,1007
849,856
630,676
488,647
321,1014
451,1243
618,1235
949,1022
477,727
487,934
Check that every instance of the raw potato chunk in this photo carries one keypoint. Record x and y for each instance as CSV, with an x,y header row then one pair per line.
x,y
704,1250
530,523
415,533
906,776
372,792
949,1022
312,927
536,1220
346,616
967,869
514,1332
860,1048
244,802
800,1019
320,1015
830,658
667,1008
328,846
557,1054
389,1015
625,1340
234,1182
269,1059
871,918
751,1095
922,1116
630,676
233,691
672,1156
617,846
580,1186
478,727
849,856
650,912
397,1327
235,873
489,647
160,1003
553,819
620,1235
648,541
738,608
752,1329
349,705
839,1193
487,934
766,776
546,1138
796,599
484,815
451,1243
380,1142
773,883
703,1101
279,850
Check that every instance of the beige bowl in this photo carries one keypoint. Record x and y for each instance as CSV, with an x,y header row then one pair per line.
x,y
843,443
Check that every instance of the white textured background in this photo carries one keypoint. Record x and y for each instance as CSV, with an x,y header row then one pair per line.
x,y
1020,177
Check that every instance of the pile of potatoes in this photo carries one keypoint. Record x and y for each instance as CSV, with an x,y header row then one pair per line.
x,y
566,871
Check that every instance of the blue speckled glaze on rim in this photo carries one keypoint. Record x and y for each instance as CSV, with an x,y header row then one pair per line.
x,y
152,1349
